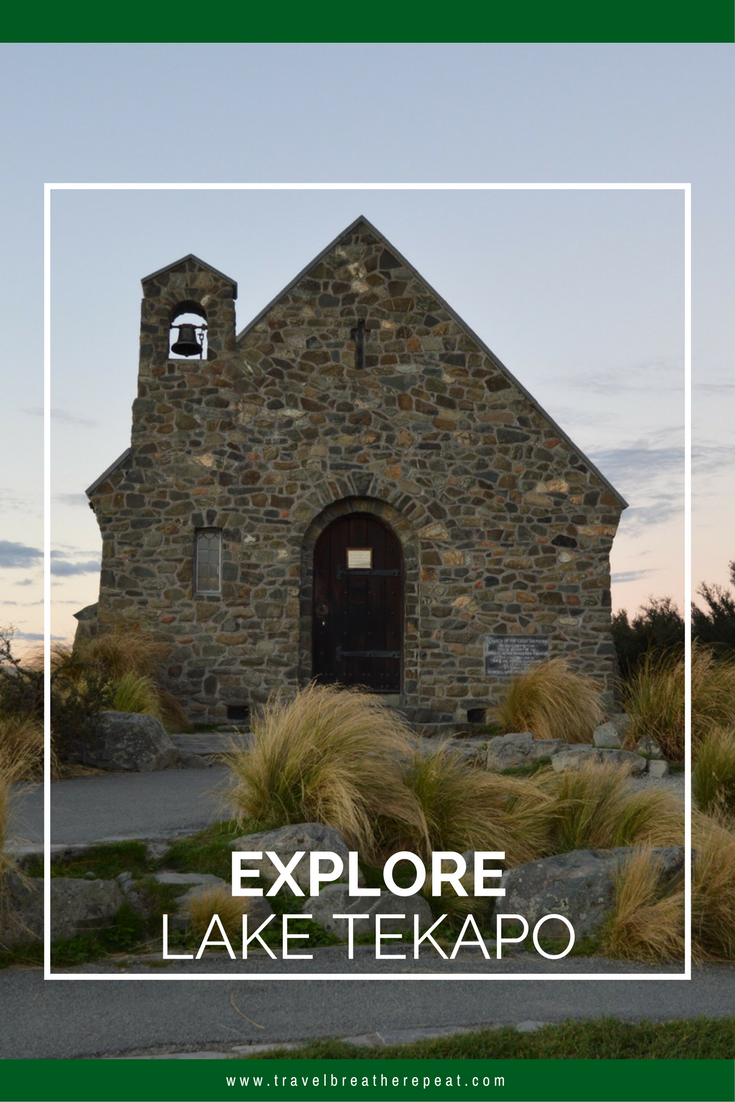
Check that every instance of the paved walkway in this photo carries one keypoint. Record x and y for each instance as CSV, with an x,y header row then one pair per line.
x,y
123,805
68,1019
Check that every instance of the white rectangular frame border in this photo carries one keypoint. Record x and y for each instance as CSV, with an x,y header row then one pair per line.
x,y
686,188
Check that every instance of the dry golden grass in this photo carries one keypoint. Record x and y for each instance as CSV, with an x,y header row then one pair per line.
x,y
598,807
127,648
466,808
137,693
21,748
713,692
551,701
5,798
217,901
21,759
654,702
713,780
647,921
713,888
329,756
654,699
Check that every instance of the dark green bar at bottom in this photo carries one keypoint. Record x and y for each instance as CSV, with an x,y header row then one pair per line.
x,y
367,1080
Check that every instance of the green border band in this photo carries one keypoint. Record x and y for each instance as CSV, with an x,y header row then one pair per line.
x,y
381,21
387,1080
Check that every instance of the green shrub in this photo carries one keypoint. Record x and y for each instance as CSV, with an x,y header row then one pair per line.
x,y
551,701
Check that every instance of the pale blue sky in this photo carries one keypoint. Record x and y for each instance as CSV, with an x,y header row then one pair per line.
x,y
579,294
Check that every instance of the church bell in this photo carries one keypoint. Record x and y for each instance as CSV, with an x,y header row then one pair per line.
x,y
188,342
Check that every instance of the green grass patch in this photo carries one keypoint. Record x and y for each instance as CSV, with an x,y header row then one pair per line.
x,y
128,931
209,851
604,1039
22,955
106,862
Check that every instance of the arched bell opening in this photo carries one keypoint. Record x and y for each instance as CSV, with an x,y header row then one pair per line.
x,y
187,332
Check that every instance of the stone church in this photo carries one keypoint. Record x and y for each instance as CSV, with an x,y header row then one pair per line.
x,y
353,489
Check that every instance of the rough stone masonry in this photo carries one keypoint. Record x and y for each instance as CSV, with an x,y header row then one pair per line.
x,y
356,417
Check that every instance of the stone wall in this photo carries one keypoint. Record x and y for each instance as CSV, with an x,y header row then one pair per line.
x,y
505,527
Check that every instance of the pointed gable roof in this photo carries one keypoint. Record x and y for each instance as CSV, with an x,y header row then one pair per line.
x,y
362,221
199,263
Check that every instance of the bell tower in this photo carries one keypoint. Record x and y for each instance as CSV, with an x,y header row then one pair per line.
x,y
188,312
187,327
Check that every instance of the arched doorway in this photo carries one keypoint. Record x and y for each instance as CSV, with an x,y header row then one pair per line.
x,y
357,612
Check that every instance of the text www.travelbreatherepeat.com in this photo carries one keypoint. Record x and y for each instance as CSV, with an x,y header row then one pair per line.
x,y
330,1080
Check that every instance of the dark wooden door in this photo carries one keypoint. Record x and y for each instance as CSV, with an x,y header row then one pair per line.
x,y
358,605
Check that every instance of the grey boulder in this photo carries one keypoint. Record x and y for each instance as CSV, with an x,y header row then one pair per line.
x,y
576,757
647,745
79,906
21,909
578,885
285,842
519,749
129,741
607,736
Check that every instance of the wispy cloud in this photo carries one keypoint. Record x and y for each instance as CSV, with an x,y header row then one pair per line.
x,y
658,509
9,499
646,376
62,568
637,463
71,499
18,555
63,416
629,576
707,458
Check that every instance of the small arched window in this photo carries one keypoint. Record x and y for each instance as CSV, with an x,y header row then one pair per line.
x,y
208,560
188,332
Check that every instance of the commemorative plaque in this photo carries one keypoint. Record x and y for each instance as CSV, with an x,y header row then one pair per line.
x,y
508,655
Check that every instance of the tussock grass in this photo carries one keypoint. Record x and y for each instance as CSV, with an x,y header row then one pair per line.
x,y
21,748
647,921
713,692
654,699
654,702
713,780
597,807
551,701
137,693
466,808
217,901
6,862
713,888
126,648
21,759
329,756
